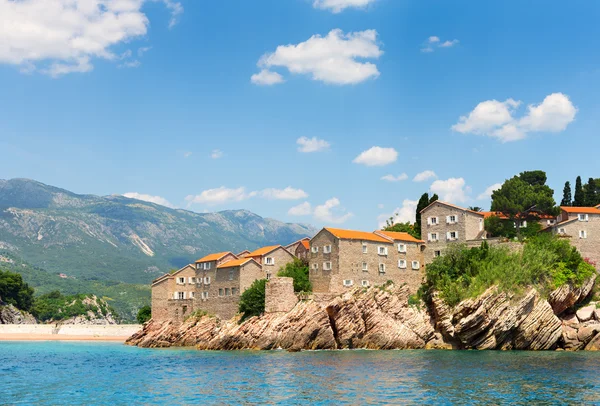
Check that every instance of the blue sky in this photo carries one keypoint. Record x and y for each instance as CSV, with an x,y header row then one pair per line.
x,y
157,98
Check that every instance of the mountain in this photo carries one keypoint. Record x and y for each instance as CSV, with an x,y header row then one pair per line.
x,y
121,240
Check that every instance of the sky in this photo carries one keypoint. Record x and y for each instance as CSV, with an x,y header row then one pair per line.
x,y
327,112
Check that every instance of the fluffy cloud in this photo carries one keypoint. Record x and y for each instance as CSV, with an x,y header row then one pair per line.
x,y
331,212
487,194
303,209
149,198
423,176
331,59
58,37
288,193
313,144
266,78
216,154
377,156
392,178
435,42
406,213
337,6
497,119
224,195
452,190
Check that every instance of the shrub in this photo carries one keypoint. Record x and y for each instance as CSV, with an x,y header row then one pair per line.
x,y
144,314
15,292
298,270
252,301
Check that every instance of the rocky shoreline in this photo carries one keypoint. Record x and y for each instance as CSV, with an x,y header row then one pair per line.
x,y
381,318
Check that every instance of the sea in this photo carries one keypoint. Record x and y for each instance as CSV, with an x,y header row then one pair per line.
x,y
92,373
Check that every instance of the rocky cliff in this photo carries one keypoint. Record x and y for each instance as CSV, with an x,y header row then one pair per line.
x,y
381,318
11,315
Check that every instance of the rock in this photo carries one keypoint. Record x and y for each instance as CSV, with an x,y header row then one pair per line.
x,y
9,314
570,340
586,333
571,320
594,344
567,295
597,314
586,313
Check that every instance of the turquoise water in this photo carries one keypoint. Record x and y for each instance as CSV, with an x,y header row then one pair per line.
x,y
110,374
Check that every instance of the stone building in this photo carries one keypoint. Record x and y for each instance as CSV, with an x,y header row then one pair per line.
x,y
173,295
300,248
581,225
271,259
342,259
444,223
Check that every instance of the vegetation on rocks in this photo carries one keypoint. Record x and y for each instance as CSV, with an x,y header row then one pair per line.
x,y
252,301
545,262
298,270
14,291
144,314
55,306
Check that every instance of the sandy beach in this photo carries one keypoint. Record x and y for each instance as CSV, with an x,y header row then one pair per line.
x,y
59,337
48,332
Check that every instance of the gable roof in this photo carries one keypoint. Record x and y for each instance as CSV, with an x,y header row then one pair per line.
x,y
306,243
214,257
244,252
168,275
237,262
264,251
298,242
357,235
583,210
399,236
453,206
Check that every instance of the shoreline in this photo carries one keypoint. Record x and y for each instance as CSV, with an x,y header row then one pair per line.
x,y
60,337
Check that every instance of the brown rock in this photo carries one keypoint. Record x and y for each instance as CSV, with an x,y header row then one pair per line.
x,y
567,295
586,313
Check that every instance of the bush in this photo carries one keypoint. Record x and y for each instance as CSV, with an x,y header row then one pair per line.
x,y
252,301
298,270
144,314
15,292
55,306
545,262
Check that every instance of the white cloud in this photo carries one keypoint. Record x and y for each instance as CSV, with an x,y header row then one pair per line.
x,y
377,156
488,192
313,144
452,190
216,154
141,51
433,39
130,64
392,178
497,119
220,195
337,6
423,176
289,193
57,37
331,212
303,209
187,154
267,78
336,58
149,198
435,42
406,213
448,44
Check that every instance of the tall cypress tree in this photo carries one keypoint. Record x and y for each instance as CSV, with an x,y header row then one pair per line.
x,y
591,197
423,202
567,198
579,200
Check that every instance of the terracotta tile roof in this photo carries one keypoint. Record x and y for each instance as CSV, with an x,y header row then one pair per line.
x,y
306,244
399,236
487,214
235,262
583,210
213,257
263,251
302,241
452,205
357,235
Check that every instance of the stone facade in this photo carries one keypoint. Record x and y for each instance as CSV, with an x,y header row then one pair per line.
x,y
173,295
272,259
338,263
582,227
443,223
279,295
299,248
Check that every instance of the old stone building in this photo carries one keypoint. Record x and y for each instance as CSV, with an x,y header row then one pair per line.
x,y
581,225
173,295
343,259
271,259
299,248
444,223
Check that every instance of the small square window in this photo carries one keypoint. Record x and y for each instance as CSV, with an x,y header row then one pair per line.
x,y
365,249
233,291
365,266
402,264
227,292
381,268
231,274
437,253
220,292
348,282
416,265
270,261
364,283
327,266
327,249
402,248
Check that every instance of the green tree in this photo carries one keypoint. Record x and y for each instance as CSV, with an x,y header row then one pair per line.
x,y
15,292
144,314
567,199
298,270
497,227
579,200
524,198
475,208
424,201
534,178
402,228
252,301
591,193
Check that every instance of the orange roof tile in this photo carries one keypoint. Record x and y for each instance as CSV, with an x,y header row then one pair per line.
x,y
235,262
487,214
264,250
306,244
356,235
400,236
584,210
213,257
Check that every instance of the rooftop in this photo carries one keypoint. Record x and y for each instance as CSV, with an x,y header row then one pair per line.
x,y
356,235
400,236
263,251
213,257
235,262
583,210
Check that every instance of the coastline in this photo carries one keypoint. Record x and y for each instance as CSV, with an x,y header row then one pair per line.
x,y
58,332
60,337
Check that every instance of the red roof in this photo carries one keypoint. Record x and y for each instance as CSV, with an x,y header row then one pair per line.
x,y
263,251
583,210
399,236
213,257
306,244
356,235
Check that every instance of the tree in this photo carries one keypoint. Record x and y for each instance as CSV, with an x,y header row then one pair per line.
x,y
402,228
424,201
523,198
567,199
579,200
591,193
144,314
534,178
15,292
298,270
475,208
252,301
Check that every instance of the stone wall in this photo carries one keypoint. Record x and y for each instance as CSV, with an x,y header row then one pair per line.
x,y
589,247
281,256
279,295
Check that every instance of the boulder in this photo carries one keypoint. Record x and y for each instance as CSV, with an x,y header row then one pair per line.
x,y
586,313
571,320
9,314
586,333
594,344
568,295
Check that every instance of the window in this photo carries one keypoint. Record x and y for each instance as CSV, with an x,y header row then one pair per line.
x,y
206,266
348,282
401,247
327,266
364,283
561,231
270,261
180,295
231,273
432,221
583,217
220,291
452,235
480,224
181,281
314,250
268,276
432,237
315,266
437,253
198,266
583,234
365,248
204,295
550,222
402,263
233,291
416,265
365,266
327,249
191,279
382,250
227,292
207,280
381,268
191,295
451,219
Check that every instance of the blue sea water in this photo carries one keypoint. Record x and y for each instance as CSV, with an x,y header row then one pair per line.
x,y
53,373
